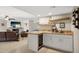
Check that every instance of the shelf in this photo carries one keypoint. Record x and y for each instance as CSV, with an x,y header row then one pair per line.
x,y
45,24
60,20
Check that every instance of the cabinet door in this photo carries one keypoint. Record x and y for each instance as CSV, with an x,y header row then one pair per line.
x,y
55,41
62,42
32,42
66,43
46,39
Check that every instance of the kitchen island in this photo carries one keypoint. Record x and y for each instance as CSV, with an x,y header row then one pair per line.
x,y
35,41
60,41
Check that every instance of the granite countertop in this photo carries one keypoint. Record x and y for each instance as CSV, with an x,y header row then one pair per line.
x,y
50,32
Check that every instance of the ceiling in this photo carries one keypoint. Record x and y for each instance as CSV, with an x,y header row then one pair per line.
x,y
46,10
13,12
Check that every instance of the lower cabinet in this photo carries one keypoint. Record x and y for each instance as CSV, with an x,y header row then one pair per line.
x,y
67,43
32,42
56,42
47,39
35,42
61,42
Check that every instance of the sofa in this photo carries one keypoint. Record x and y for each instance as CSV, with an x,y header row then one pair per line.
x,y
9,36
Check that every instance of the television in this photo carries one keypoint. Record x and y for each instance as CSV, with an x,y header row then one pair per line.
x,y
15,24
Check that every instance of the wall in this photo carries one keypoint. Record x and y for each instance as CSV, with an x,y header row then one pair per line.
x,y
33,25
49,27
45,21
4,27
45,27
25,25
25,22
67,25
43,24
66,21
19,15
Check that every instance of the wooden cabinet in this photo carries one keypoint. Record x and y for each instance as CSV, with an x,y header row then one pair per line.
x,y
61,42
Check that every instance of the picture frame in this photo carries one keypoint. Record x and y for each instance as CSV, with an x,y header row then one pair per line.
x,y
62,25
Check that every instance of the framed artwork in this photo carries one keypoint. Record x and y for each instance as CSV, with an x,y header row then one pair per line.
x,y
62,25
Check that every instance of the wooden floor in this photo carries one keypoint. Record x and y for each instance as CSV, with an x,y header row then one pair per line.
x,y
21,47
47,50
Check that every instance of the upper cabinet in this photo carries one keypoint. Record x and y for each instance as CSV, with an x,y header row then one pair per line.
x,y
54,19
44,20
48,22
58,20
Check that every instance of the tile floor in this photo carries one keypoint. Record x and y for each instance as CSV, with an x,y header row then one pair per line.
x,y
21,47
